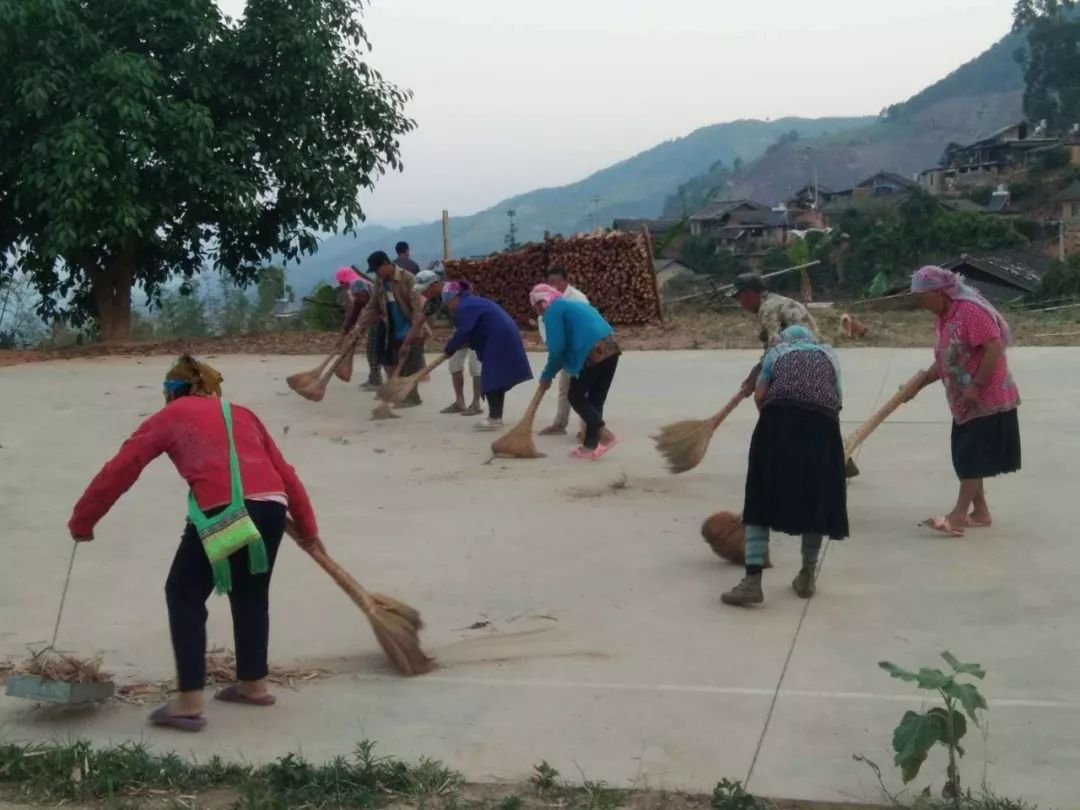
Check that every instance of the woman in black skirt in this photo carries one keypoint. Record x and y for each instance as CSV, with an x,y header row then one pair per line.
x,y
969,359
795,482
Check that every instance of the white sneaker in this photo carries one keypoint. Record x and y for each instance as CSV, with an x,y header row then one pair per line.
x,y
489,425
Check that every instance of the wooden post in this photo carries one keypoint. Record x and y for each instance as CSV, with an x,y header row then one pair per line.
x,y
652,269
445,235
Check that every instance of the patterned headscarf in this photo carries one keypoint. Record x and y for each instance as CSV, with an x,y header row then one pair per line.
x,y
798,339
192,376
931,278
455,289
543,294
345,276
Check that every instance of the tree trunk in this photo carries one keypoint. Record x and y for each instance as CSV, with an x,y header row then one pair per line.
x,y
112,296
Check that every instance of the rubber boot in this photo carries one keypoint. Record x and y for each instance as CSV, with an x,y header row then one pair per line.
x,y
747,592
804,584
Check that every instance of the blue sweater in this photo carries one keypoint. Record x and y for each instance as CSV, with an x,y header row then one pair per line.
x,y
484,326
573,329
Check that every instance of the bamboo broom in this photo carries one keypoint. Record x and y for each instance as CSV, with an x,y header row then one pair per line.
x,y
396,625
396,390
907,391
683,444
344,369
312,384
518,442
382,410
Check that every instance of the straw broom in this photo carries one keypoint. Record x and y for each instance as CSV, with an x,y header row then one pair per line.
x,y
396,625
908,390
312,384
518,443
683,444
345,368
398,389
382,410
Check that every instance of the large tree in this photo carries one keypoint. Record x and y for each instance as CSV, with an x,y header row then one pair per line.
x,y
1051,61
145,139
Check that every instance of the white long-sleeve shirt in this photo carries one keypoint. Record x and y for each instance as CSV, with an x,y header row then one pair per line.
x,y
570,294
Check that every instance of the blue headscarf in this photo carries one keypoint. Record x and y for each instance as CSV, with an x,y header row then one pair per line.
x,y
797,339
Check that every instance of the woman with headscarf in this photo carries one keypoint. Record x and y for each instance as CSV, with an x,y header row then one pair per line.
x,y
581,343
240,491
795,478
969,359
483,326
358,291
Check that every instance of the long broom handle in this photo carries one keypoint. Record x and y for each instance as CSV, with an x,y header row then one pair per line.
x,y
330,367
343,578
724,412
534,405
910,389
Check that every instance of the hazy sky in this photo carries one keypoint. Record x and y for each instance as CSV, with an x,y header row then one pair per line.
x,y
512,95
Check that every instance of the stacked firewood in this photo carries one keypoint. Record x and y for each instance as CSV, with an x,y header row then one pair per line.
x,y
614,269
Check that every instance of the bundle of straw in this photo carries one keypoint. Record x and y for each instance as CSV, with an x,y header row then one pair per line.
x,y
396,625
396,391
56,666
684,443
726,536
518,442
345,368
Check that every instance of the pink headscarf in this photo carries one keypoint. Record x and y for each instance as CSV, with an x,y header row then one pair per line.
x,y
543,294
931,277
346,276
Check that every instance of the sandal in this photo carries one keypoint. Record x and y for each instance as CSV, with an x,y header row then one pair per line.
x,y
454,408
553,430
164,718
472,410
583,452
601,449
941,524
972,523
230,694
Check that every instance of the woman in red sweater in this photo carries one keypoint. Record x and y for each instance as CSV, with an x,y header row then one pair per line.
x,y
191,430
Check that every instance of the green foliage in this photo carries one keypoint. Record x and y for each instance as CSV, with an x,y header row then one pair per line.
x,y
544,777
703,254
149,140
58,773
1052,60
728,795
1057,158
182,313
918,733
510,803
1062,280
20,327
326,313
887,248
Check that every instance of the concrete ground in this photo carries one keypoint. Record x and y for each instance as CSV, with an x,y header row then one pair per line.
x,y
608,653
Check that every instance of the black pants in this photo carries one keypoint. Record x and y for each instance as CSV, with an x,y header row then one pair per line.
x,y
190,584
496,400
588,392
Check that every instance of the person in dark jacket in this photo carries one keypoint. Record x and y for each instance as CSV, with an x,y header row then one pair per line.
x,y
484,327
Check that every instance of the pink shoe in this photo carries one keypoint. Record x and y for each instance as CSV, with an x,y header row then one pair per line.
x,y
601,449
581,452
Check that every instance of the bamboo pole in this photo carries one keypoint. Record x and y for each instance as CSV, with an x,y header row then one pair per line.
x,y
445,235
725,287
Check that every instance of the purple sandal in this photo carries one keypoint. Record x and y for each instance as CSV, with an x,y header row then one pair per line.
x,y
230,694
164,718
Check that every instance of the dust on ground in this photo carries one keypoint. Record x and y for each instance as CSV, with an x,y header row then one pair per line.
x,y
723,329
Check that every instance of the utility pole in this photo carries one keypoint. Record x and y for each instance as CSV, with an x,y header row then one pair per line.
x,y
446,235
596,211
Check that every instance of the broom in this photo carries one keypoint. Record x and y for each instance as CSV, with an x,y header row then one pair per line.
x,y
396,390
312,384
909,389
518,443
345,368
382,410
684,443
396,625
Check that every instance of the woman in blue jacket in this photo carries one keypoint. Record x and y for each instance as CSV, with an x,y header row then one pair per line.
x,y
582,343
484,327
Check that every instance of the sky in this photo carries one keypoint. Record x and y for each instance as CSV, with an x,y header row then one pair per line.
x,y
511,95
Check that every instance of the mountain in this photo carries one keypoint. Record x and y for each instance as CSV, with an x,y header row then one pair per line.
x,y
979,97
635,187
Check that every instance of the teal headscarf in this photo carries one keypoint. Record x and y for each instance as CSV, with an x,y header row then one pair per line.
x,y
797,339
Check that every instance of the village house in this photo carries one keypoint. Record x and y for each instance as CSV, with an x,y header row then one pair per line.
x,y
1011,147
744,227
1070,204
1002,276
